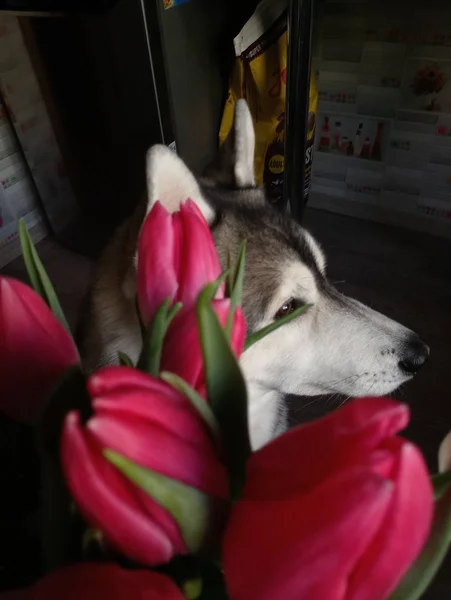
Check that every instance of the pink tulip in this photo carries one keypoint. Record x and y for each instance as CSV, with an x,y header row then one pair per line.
x,y
176,258
35,350
151,424
182,353
337,509
99,581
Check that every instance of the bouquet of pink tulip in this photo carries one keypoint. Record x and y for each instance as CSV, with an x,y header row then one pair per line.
x,y
150,488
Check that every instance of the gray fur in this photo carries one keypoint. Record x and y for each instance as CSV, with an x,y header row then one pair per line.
x,y
271,239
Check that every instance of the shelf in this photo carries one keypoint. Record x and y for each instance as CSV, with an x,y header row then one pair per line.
x,y
415,221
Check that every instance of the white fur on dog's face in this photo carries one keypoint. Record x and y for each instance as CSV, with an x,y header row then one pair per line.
x,y
338,346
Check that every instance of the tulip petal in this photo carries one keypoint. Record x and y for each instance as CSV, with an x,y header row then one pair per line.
x,y
304,548
150,400
211,259
341,438
110,504
154,447
116,379
35,350
181,350
156,277
199,262
99,581
404,530
176,258
182,353
191,509
424,569
238,336
183,426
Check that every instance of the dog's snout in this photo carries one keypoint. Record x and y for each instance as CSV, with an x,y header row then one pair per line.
x,y
414,354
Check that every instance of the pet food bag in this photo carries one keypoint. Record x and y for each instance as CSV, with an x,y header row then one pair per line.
x,y
259,76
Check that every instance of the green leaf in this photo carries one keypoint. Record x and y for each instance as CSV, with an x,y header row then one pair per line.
x,y
91,538
192,589
226,391
211,289
196,400
237,288
125,360
189,568
189,507
258,335
238,278
181,568
150,358
424,569
440,483
172,312
230,275
38,276
26,245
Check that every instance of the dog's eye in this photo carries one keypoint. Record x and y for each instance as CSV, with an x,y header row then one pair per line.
x,y
288,307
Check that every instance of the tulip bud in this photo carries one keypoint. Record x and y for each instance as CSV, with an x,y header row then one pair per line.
x,y
144,469
35,350
347,523
176,258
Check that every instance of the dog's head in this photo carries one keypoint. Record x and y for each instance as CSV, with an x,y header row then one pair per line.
x,y
338,345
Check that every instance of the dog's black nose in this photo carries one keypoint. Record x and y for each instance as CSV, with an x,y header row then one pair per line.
x,y
414,354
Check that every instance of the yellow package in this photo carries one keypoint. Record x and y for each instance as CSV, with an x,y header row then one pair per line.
x,y
259,76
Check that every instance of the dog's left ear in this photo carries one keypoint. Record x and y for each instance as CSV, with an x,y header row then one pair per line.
x,y
171,182
234,165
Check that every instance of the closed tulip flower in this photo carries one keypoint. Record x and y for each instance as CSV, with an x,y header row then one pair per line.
x,y
35,350
337,509
176,258
182,352
99,581
148,422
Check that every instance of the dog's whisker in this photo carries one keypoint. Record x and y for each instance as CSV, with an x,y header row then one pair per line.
x,y
337,381
332,398
315,399
344,401
401,392
370,388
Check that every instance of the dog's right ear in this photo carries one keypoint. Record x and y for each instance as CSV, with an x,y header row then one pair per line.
x,y
171,182
234,165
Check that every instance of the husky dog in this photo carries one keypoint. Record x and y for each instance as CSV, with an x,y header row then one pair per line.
x,y
338,346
